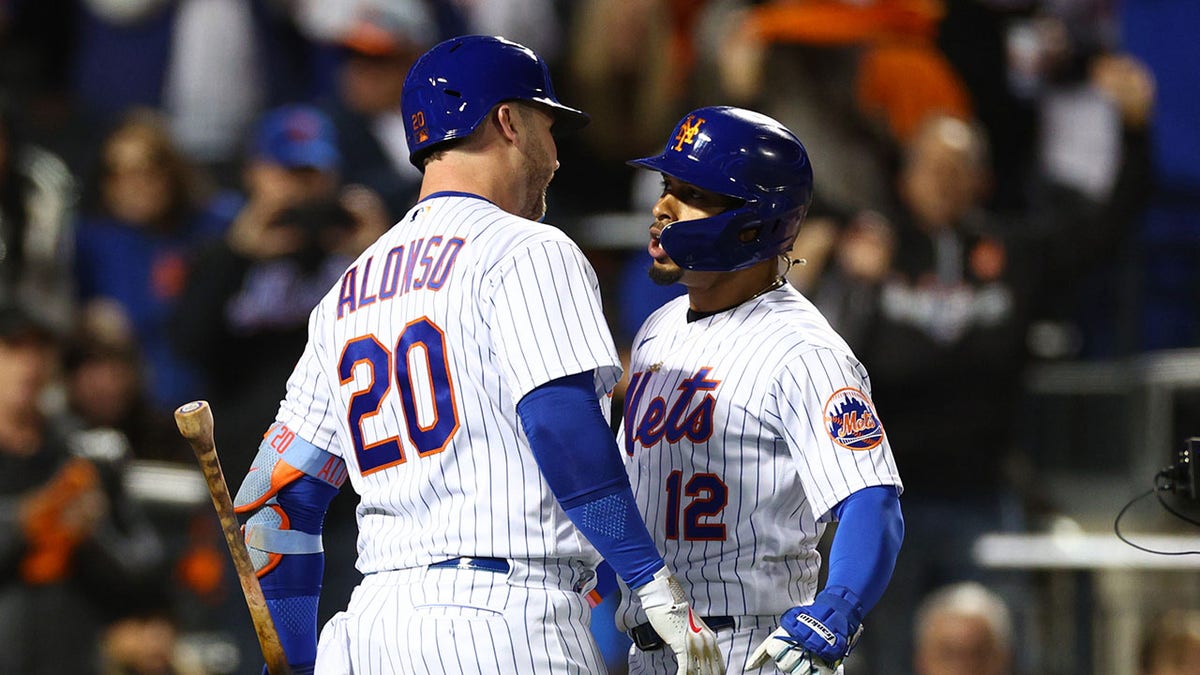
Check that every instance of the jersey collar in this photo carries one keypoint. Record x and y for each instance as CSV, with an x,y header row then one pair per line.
x,y
454,193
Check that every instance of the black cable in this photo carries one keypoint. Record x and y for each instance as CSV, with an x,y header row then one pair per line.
x,y
1117,526
1177,514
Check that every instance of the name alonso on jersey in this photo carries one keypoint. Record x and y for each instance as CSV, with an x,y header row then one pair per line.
x,y
397,274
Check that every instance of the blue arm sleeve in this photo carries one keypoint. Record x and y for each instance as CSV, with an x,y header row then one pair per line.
x,y
867,541
579,458
292,589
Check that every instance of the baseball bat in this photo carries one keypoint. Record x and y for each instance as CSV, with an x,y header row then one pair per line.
x,y
195,422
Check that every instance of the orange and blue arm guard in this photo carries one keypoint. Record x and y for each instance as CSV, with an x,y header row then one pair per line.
x,y
285,495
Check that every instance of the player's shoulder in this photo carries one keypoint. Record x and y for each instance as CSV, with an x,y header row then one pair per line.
x,y
484,215
799,324
670,311
493,236
671,307
522,240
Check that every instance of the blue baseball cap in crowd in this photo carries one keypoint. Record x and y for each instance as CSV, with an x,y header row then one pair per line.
x,y
298,137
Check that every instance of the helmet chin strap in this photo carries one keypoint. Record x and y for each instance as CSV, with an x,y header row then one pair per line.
x,y
781,275
790,262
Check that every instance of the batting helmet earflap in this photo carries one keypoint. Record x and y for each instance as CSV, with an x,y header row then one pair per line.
x,y
451,88
743,154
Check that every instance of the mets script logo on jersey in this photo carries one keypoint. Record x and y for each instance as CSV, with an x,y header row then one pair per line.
x,y
687,131
671,420
851,421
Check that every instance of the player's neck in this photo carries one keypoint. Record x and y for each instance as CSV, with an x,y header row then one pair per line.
x,y
477,174
717,291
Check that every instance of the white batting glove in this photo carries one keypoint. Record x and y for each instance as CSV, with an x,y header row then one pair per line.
x,y
789,657
694,644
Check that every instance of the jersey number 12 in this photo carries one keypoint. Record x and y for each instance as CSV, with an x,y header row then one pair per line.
x,y
708,494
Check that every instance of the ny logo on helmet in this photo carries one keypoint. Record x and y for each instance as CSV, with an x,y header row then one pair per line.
x,y
687,131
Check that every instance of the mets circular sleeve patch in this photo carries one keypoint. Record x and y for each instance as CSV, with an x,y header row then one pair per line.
x,y
851,421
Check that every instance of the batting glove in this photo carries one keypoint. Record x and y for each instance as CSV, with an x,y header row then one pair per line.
x,y
788,659
814,638
694,643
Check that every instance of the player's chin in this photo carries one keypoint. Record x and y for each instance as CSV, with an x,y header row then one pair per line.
x,y
665,272
535,209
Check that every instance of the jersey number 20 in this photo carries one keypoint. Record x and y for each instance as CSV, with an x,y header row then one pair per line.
x,y
428,438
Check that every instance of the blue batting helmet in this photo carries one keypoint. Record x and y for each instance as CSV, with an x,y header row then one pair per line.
x,y
451,88
742,154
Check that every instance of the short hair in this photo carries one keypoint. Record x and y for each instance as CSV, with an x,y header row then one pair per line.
x,y
151,129
967,135
971,599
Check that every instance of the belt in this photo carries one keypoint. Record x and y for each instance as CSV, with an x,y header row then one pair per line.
x,y
647,640
499,565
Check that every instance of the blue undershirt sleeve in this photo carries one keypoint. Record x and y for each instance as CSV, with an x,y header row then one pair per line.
x,y
292,589
867,541
576,452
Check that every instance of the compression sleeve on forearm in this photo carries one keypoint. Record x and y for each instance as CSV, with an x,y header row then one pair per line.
x,y
867,541
578,457
292,588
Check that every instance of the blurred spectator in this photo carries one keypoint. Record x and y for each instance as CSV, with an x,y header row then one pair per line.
x,y
975,36
105,387
854,78
530,22
963,629
37,198
936,299
377,48
138,239
1171,645
628,67
1161,35
244,314
215,88
164,54
119,56
1095,155
75,551
1086,99
147,644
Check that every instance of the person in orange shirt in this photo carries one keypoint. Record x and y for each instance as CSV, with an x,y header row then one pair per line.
x,y
75,552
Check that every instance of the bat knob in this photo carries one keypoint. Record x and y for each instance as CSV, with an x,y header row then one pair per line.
x,y
190,407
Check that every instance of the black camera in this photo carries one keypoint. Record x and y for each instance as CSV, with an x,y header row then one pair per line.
x,y
1180,477
323,225
315,216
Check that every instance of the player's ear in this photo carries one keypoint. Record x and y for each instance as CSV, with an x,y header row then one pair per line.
x,y
507,121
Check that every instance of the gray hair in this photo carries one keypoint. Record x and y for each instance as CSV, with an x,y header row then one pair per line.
x,y
965,136
970,599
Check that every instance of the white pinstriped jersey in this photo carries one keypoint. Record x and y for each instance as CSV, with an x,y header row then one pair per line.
x,y
741,431
415,363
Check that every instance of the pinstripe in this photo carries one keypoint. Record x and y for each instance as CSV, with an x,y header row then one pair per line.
x,y
736,645
778,362
519,305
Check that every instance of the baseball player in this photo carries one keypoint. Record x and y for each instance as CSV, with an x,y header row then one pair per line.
x,y
748,423
455,375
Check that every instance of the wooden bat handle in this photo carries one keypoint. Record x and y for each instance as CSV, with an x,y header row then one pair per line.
x,y
195,422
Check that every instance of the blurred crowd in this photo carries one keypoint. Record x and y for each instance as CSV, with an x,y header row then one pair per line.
x,y
998,183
